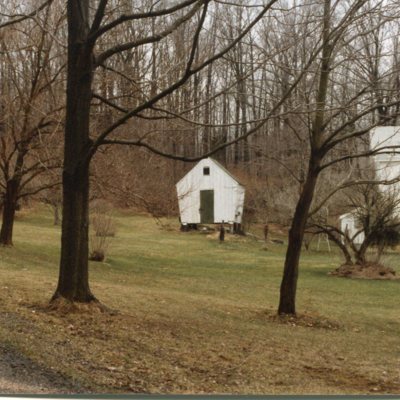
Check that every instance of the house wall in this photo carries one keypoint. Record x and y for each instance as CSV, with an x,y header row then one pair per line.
x,y
388,170
384,136
387,166
228,194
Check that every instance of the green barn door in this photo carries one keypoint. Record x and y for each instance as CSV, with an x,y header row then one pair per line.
x,y
206,206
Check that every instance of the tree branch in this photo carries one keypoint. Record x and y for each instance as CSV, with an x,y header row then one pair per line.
x,y
96,33
151,39
26,16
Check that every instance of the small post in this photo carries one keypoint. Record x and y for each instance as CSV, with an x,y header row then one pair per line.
x,y
266,230
222,232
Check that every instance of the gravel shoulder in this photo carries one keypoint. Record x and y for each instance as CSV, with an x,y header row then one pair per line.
x,y
19,374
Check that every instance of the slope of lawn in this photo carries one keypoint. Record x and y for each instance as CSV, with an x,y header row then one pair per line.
x,y
196,316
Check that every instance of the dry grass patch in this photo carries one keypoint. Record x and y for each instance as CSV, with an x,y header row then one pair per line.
x,y
191,318
175,352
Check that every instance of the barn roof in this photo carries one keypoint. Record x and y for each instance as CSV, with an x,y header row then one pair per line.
x,y
351,213
346,215
219,165
225,170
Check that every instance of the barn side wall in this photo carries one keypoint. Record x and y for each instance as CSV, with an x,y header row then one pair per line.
x,y
189,201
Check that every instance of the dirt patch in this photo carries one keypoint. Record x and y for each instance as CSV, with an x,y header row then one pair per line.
x,y
228,237
368,271
303,320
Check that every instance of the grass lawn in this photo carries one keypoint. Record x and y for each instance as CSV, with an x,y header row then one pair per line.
x,y
197,316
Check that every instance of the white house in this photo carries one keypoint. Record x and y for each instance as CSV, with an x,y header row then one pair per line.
x,y
386,140
386,163
209,194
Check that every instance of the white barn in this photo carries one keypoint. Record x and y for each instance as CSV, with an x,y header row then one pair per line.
x,y
209,194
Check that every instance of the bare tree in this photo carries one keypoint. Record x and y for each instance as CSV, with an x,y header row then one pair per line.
x,y
89,24
376,214
333,122
31,112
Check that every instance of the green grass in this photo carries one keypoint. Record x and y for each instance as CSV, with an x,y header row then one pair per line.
x,y
198,316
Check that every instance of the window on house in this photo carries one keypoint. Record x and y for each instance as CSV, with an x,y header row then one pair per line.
x,y
206,171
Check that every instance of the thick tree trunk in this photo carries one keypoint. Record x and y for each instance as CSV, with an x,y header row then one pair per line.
x,y
9,208
287,302
73,283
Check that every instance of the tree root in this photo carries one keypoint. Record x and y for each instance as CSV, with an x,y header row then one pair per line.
x,y
62,305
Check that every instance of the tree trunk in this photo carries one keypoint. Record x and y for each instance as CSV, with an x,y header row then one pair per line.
x,y
236,145
9,207
73,283
338,241
379,252
361,254
207,113
345,251
287,302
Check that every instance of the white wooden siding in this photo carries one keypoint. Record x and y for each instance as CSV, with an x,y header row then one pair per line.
x,y
387,166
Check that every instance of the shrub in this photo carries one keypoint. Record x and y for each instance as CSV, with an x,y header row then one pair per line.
x,y
102,229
